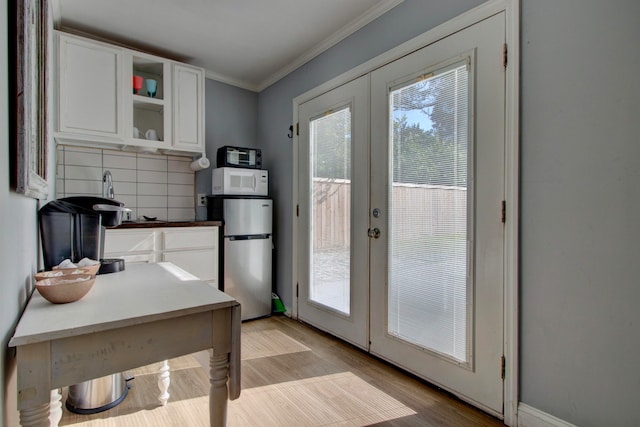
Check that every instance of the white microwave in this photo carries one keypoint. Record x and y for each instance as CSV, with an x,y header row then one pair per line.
x,y
239,181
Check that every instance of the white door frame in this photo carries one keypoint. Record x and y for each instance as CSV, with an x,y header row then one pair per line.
x,y
512,166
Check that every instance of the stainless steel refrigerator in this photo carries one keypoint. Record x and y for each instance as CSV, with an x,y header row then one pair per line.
x,y
247,250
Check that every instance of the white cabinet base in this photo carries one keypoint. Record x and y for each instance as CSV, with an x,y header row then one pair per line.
x,y
194,249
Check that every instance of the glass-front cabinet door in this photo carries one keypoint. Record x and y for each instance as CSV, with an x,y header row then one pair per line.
x,y
148,95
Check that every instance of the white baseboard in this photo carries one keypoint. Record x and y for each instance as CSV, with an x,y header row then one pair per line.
x,y
529,416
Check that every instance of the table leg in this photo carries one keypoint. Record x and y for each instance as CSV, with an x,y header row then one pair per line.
x,y
218,392
55,408
34,384
35,417
164,380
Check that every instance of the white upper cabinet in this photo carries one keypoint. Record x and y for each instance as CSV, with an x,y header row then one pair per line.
x,y
89,90
115,97
188,108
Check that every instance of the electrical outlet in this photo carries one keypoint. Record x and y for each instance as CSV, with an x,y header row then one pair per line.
x,y
202,199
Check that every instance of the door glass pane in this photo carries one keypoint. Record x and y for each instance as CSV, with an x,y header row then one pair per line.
x,y
428,295
330,147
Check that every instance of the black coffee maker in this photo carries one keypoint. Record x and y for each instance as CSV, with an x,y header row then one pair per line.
x,y
74,228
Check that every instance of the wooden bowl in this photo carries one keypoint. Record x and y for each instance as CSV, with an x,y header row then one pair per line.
x,y
92,269
57,272
64,289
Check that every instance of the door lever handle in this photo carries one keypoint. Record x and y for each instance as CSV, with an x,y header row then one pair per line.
x,y
375,233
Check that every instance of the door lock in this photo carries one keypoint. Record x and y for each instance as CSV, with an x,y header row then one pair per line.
x,y
376,213
375,233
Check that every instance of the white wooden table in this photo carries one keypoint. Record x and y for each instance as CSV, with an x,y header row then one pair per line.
x,y
144,314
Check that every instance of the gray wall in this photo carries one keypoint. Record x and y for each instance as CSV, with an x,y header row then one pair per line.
x,y
18,244
580,192
231,115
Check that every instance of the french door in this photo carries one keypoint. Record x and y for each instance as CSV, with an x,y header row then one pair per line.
x,y
333,290
437,142
401,188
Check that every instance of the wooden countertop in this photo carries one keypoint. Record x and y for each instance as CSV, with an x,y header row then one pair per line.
x,y
158,224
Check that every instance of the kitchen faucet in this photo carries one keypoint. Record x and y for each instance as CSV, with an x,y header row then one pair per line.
x,y
107,185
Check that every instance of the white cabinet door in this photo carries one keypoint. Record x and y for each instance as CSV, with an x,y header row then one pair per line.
x,y
130,242
194,249
89,89
190,238
188,108
201,263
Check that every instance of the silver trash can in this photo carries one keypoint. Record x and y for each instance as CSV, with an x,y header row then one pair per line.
x,y
97,395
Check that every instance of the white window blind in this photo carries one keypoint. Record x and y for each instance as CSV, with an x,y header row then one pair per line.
x,y
428,290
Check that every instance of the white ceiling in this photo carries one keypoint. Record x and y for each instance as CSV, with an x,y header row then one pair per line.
x,y
247,43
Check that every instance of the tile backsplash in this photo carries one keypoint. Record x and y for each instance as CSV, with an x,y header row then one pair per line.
x,y
149,184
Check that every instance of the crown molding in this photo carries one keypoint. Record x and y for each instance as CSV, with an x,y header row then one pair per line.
x,y
242,84
353,26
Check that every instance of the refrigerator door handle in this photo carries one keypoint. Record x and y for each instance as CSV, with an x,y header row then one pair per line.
x,y
251,237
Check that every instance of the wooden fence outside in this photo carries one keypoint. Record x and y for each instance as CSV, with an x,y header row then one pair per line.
x,y
446,209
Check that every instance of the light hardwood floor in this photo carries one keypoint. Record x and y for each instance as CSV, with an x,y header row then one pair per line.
x,y
292,375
